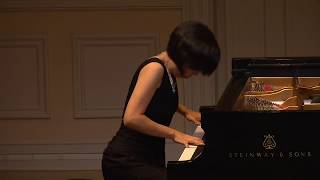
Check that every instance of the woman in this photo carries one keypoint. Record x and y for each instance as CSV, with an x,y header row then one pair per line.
x,y
137,151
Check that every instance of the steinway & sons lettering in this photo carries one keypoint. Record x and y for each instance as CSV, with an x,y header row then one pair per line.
x,y
269,155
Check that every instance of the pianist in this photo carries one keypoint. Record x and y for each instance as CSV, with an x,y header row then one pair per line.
x,y
137,149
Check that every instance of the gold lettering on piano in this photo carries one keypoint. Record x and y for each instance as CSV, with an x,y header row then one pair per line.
x,y
270,155
299,154
269,142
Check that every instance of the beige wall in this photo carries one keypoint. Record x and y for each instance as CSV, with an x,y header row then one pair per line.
x,y
65,69
79,47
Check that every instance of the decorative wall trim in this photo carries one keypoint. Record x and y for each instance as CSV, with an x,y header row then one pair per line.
x,y
80,42
36,44
53,157
85,4
285,27
197,10
67,148
223,72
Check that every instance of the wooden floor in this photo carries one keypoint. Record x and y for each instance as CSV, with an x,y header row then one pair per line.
x,y
51,175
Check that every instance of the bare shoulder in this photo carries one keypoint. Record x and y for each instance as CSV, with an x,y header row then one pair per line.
x,y
153,68
151,74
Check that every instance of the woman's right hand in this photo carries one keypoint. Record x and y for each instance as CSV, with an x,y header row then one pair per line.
x,y
186,139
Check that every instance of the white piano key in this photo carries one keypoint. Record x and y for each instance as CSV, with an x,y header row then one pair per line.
x,y
189,151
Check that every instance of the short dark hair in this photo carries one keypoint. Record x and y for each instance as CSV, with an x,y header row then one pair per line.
x,y
192,44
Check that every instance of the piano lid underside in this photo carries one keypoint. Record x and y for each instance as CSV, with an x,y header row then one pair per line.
x,y
279,94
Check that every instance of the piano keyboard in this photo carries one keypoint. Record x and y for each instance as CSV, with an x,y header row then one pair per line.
x,y
190,151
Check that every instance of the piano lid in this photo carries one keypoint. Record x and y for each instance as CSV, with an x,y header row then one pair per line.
x,y
276,66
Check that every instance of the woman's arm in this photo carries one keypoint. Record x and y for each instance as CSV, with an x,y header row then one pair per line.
x,y
149,80
191,115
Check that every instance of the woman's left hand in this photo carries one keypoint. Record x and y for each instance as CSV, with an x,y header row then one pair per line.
x,y
193,116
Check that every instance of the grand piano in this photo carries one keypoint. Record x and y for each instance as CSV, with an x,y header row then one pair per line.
x,y
264,126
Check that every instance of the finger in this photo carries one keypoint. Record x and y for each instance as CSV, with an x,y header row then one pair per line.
x,y
198,116
186,144
197,141
200,141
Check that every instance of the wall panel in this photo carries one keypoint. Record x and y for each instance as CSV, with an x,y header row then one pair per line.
x,y
23,77
245,27
303,27
102,71
275,28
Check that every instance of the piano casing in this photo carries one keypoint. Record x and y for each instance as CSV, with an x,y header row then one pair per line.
x,y
264,126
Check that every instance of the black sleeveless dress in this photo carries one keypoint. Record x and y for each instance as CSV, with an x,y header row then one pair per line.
x,y
129,148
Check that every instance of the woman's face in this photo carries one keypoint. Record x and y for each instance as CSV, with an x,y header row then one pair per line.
x,y
188,72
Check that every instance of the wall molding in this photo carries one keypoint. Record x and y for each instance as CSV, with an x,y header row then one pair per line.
x,y
223,72
87,4
80,42
37,44
52,157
